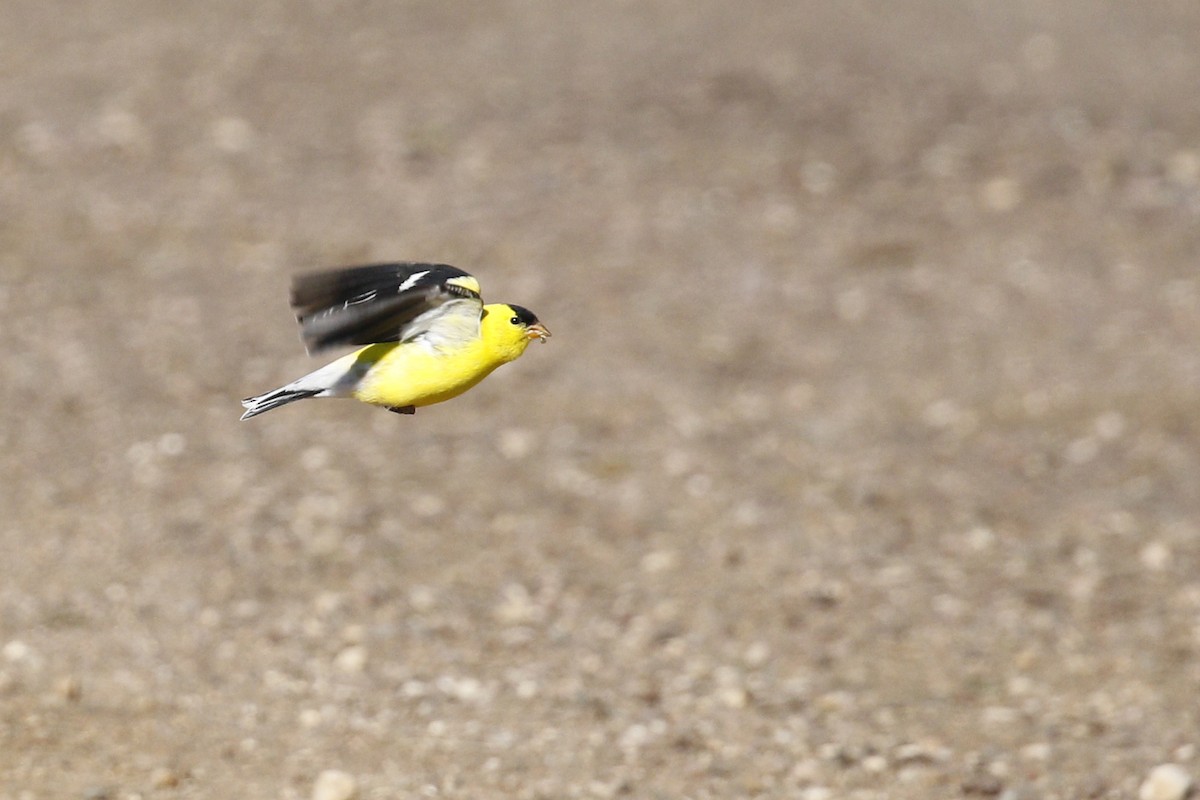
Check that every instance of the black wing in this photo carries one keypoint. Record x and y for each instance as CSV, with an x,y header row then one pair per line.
x,y
375,303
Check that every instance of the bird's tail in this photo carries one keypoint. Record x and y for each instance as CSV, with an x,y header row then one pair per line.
x,y
274,399
335,379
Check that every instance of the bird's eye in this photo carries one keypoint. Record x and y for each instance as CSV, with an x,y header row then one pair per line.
x,y
515,320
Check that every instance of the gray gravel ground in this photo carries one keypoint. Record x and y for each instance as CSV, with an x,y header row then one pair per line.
x,y
863,462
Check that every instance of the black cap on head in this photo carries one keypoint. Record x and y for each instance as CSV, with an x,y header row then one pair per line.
x,y
526,316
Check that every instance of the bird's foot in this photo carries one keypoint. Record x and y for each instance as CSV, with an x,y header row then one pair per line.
x,y
402,409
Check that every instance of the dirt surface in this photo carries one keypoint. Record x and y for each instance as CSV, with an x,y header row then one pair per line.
x,y
863,461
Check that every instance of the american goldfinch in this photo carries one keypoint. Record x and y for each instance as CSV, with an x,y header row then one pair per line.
x,y
428,335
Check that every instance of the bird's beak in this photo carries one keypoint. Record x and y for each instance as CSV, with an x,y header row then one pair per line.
x,y
538,331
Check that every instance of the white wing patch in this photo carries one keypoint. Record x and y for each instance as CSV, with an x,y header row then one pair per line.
x,y
411,281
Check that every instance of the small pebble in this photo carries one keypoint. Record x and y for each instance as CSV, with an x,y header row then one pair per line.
x,y
734,697
1109,425
818,177
232,135
69,689
1156,556
38,140
421,598
164,778
121,129
16,651
314,458
999,715
328,603
1038,751
980,538
986,785
1083,450
659,561
171,444
333,784
942,413
874,763
352,659
806,770
920,753
1001,194
1183,167
757,654
427,506
1166,782
517,607
515,443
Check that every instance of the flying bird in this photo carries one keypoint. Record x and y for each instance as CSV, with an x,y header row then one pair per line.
x,y
428,336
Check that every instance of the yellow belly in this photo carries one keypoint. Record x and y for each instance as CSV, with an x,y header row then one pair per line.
x,y
415,375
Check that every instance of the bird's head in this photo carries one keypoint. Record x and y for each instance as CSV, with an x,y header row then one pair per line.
x,y
509,329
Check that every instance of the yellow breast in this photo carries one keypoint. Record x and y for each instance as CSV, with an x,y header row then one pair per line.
x,y
413,374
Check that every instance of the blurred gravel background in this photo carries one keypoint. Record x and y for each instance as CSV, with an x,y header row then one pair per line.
x,y
863,462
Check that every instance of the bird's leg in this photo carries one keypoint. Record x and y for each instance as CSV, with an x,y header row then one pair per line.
x,y
402,409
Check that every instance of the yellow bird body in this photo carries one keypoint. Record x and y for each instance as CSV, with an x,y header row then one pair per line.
x,y
396,375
